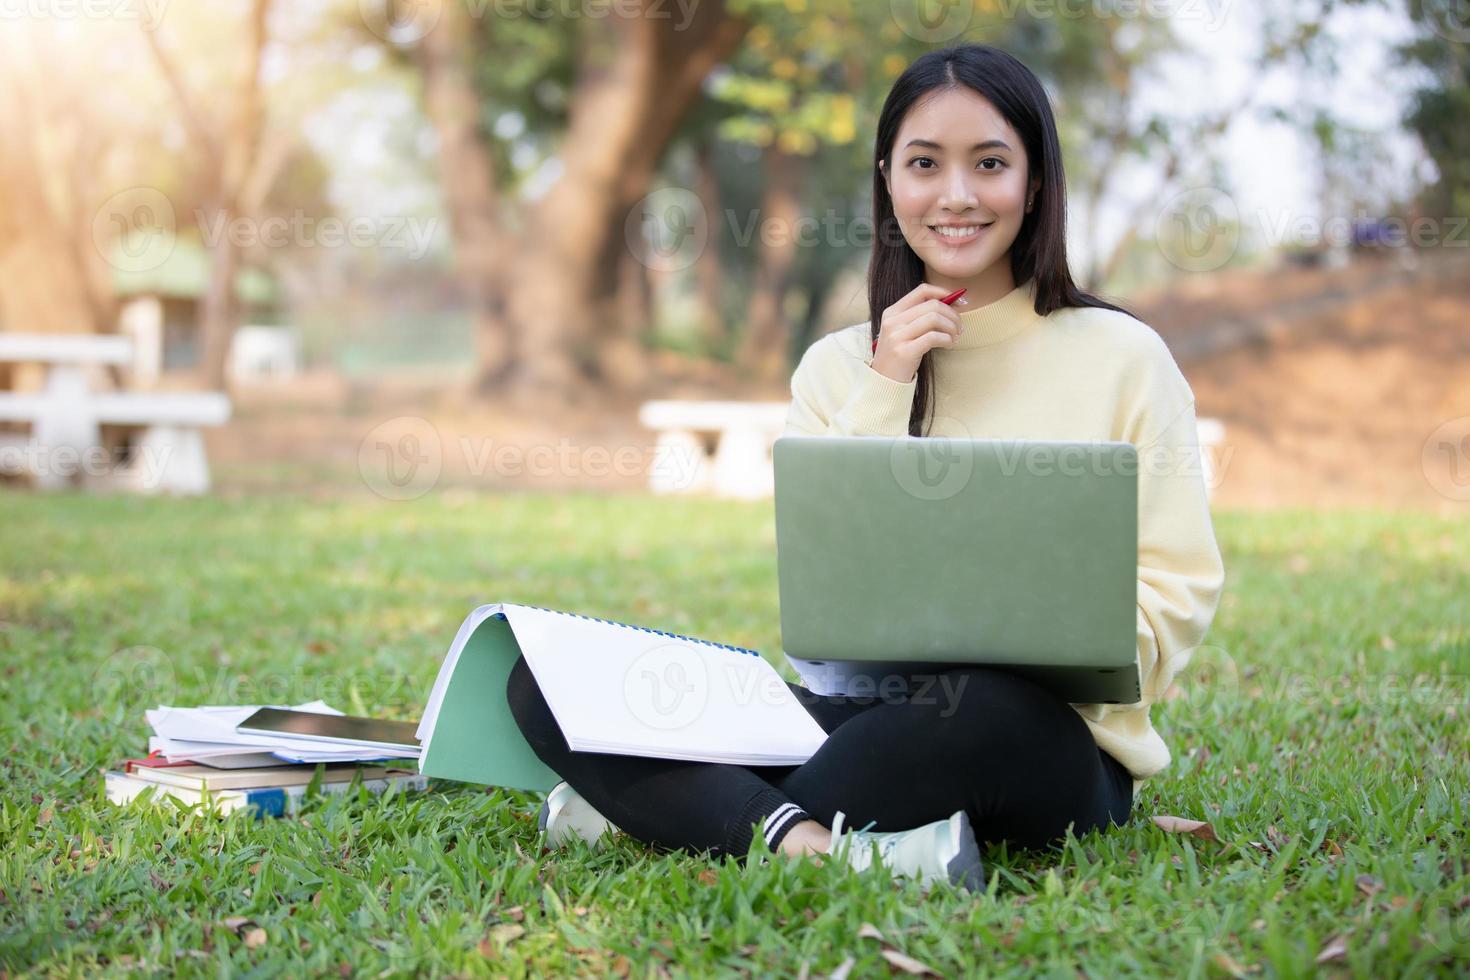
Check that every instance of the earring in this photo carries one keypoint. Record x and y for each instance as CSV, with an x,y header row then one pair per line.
x,y
1029,203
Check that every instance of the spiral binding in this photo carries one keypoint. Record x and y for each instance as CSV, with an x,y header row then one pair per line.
x,y
645,629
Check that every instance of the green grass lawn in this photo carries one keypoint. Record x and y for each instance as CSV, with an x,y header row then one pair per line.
x,y
1322,733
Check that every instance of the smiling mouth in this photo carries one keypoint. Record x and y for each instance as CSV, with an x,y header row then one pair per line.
x,y
959,235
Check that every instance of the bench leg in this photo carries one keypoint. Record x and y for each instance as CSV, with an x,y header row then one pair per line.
x,y
62,442
680,464
742,466
168,459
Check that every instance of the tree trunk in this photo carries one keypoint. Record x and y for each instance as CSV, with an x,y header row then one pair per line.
x,y
817,290
709,271
53,276
446,57
764,352
622,358
639,76
230,155
219,308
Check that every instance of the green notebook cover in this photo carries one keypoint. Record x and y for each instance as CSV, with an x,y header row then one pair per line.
x,y
475,739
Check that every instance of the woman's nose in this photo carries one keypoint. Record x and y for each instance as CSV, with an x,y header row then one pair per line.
x,y
958,193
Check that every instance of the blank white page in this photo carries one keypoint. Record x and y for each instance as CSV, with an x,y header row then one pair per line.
x,y
620,688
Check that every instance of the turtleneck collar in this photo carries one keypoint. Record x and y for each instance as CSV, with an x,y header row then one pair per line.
x,y
998,320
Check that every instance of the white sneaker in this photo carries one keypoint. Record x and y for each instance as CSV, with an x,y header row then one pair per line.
x,y
945,850
566,815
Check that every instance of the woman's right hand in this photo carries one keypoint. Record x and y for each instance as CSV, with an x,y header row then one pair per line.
x,y
910,328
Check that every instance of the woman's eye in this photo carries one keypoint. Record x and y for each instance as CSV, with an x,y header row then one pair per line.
x,y
999,163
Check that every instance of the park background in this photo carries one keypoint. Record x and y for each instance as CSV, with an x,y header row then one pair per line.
x,y
438,253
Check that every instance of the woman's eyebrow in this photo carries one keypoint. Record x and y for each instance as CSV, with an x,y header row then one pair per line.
x,y
986,145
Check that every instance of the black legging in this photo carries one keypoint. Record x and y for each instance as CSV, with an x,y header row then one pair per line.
x,y
1021,761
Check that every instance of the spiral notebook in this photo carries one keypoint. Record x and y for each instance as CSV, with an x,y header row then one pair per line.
x,y
613,687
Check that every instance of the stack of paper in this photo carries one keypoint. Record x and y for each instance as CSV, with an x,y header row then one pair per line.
x,y
207,734
612,687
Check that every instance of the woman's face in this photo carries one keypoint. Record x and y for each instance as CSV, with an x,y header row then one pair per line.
x,y
957,164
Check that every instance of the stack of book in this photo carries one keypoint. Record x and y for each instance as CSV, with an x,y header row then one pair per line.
x,y
233,757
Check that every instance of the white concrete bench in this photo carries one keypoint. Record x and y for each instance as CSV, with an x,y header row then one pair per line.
x,y
743,434
65,419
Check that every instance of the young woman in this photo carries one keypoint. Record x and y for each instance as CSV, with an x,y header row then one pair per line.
x,y
968,192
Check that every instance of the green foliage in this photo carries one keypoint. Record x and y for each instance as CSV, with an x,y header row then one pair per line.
x,y
1442,104
1339,796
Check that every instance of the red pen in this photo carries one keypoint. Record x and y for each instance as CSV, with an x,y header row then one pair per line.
x,y
947,301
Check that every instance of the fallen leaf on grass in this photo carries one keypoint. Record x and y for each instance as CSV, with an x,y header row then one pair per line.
x,y
1335,949
894,956
507,932
1232,966
1370,885
908,964
1181,825
498,936
249,931
709,877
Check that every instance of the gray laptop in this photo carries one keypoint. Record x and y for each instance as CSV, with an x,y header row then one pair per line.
x,y
899,556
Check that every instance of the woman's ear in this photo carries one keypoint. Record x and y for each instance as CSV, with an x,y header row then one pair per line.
x,y
886,183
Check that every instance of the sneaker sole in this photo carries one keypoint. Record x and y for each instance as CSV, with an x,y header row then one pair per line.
x,y
543,823
965,868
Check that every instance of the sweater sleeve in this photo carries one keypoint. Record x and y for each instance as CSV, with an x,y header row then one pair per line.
x,y
1180,572
834,392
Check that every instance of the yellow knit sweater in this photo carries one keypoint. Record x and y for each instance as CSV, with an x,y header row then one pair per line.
x,y
1081,374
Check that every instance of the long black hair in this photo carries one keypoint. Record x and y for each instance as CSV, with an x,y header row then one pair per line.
x,y
1040,249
